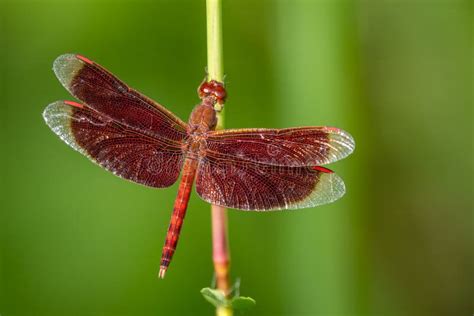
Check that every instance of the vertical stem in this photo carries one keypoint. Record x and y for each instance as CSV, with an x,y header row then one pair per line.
x,y
220,249
215,63
214,40
215,68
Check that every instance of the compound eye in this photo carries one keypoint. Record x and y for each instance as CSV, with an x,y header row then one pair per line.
x,y
213,88
220,92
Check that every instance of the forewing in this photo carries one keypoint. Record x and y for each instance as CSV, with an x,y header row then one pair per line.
x,y
252,186
128,153
106,94
293,147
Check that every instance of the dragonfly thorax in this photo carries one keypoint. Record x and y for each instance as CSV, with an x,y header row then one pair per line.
x,y
203,119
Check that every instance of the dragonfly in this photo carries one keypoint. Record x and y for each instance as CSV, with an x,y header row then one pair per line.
x,y
138,139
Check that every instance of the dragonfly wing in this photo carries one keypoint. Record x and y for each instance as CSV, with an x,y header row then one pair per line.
x,y
246,185
128,153
105,93
295,147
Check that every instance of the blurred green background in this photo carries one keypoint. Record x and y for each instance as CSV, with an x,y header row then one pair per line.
x,y
76,240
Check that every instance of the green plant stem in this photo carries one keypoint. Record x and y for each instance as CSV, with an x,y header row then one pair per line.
x,y
214,40
220,241
215,60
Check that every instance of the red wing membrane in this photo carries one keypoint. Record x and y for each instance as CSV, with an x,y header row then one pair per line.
x,y
293,147
251,186
128,153
106,94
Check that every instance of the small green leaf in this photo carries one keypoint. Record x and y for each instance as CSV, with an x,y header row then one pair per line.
x,y
215,297
242,303
218,299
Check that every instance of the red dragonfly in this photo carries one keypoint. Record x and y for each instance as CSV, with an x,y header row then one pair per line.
x,y
137,139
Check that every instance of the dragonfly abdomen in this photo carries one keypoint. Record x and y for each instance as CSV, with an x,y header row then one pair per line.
x,y
179,211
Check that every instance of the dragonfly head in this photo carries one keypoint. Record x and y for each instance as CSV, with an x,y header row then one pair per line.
x,y
213,89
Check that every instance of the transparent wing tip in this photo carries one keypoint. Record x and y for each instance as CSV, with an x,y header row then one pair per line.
x,y
51,112
65,68
329,188
335,185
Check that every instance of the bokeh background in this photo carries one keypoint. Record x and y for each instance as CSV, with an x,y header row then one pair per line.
x,y
396,74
